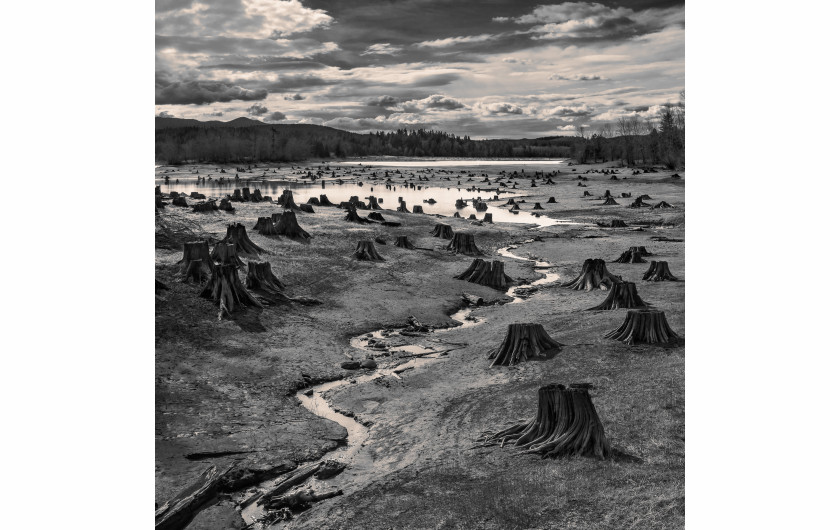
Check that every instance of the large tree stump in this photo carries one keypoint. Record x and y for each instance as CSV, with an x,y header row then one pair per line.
x,y
403,242
306,208
365,251
566,424
443,231
261,279
486,273
593,275
659,272
287,225
375,216
325,201
353,217
464,244
643,326
523,342
237,235
177,512
416,209
622,295
609,202
488,218
262,222
196,250
180,201
226,206
630,256
256,196
226,254
286,200
225,289
373,203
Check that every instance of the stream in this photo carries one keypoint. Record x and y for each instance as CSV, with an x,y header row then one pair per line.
x,y
360,468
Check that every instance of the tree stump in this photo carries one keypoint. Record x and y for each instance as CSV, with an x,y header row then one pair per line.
x,y
173,195
226,254
641,250
586,193
365,251
610,202
325,201
551,200
262,222
523,342
659,272
485,273
237,196
643,326
460,203
480,206
593,275
662,204
645,197
256,196
157,191
237,235
225,289
618,223
537,206
206,206
630,256
443,231
314,201
226,206
353,217
246,195
464,244
196,271
286,200
403,208
488,218
638,203
373,203
196,250
514,207
159,204
375,216
456,214
403,242
416,209
566,424
287,225
159,288
261,279
306,208
510,202
180,201
622,295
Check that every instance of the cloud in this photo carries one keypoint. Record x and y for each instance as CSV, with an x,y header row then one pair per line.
x,y
263,64
580,111
383,48
293,82
257,110
433,102
275,116
577,77
501,108
203,92
566,128
216,114
296,97
640,108
451,41
164,114
382,101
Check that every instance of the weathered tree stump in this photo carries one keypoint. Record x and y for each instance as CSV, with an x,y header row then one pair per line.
x,y
325,201
365,251
174,195
237,196
618,223
226,254
196,250
226,206
486,273
375,216
645,197
307,208
472,217
514,207
180,201
225,289
638,203
205,206
246,195
159,204
314,201
196,271
287,225
662,204
443,231
488,218
256,196
480,206
416,209
286,200
263,222
353,217
622,295
456,214
237,235
641,250
630,256
643,326
261,279
523,342
460,203
659,272
373,203
510,202
609,202
464,244
403,208
593,275
551,200
538,207
403,242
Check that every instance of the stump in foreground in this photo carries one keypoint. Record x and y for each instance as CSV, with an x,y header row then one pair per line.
x,y
486,273
593,275
238,236
286,200
225,289
644,326
622,295
566,424
659,272
443,231
287,225
630,256
464,244
366,251
261,279
403,242
523,342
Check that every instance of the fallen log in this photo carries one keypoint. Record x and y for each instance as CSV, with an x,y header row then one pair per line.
x,y
177,512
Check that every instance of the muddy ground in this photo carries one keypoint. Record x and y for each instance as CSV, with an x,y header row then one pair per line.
x,y
225,389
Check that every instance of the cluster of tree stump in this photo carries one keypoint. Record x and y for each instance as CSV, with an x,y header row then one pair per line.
x,y
523,342
486,273
593,275
566,424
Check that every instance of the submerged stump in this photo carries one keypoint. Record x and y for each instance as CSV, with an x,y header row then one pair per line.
x,y
523,342
593,275
644,326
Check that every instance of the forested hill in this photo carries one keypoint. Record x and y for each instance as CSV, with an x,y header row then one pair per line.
x,y
245,140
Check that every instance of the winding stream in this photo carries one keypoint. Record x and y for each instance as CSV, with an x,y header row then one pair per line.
x,y
360,469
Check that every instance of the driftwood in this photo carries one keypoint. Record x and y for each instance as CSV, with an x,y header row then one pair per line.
x,y
296,477
225,289
593,275
226,254
486,273
403,242
286,200
238,236
262,223
443,231
659,272
622,295
644,326
630,256
300,500
566,424
464,244
177,512
523,342
365,251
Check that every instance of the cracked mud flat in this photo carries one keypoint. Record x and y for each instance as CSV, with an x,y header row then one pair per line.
x,y
413,468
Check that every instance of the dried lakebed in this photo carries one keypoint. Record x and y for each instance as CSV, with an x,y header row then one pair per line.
x,y
360,469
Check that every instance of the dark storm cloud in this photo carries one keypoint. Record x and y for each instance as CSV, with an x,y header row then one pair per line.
x,y
383,101
640,108
296,97
257,110
203,92
275,116
295,82
162,6
263,64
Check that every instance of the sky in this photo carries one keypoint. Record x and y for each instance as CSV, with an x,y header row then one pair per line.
x,y
485,69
